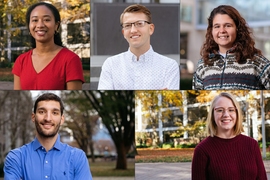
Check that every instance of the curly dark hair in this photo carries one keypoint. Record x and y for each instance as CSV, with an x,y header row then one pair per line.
x,y
244,43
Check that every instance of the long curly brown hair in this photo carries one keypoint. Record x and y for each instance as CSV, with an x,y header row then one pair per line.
x,y
244,43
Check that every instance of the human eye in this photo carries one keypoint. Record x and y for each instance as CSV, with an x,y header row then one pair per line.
x,y
232,110
127,25
47,19
219,110
55,113
34,20
41,111
139,23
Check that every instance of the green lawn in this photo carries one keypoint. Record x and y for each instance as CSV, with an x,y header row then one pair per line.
x,y
107,168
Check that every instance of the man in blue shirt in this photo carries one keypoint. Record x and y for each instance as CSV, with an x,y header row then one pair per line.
x,y
47,157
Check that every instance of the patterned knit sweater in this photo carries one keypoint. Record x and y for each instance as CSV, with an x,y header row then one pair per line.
x,y
226,73
238,158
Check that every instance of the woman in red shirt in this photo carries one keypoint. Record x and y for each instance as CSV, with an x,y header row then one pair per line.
x,y
49,65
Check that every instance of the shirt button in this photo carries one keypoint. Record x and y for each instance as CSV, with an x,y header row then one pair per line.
x,y
46,162
46,176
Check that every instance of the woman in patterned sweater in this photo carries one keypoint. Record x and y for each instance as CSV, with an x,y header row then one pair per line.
x,y
226,153
229,58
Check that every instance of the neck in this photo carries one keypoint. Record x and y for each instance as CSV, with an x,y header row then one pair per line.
x,y
42,48
226,135
139,51
47,142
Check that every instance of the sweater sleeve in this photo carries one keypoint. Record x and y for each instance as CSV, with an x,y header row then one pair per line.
x,y
260,166
199,165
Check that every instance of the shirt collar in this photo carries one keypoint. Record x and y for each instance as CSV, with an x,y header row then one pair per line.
x,y
143,57
57,145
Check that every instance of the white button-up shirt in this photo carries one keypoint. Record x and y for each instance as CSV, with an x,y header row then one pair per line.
x,y
151,71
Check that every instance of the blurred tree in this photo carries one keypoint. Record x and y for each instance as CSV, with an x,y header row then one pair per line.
x,y
116,108
80,120
16,127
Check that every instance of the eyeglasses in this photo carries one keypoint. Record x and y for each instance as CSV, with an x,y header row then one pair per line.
x,y
137,24
221,110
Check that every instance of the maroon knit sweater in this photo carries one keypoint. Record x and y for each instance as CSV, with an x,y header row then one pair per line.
x,y
238,158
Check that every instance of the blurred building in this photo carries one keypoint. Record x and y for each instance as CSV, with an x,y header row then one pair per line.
x,y
161,127
194,14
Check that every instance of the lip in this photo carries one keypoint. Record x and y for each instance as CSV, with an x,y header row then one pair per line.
x,y
40,32
47,126
135,36
223,37
226,121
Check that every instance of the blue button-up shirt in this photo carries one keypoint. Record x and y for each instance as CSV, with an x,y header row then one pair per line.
x,y
32,162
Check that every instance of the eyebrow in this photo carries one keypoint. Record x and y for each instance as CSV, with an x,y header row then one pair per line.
x,y
223,24
42,108
43,16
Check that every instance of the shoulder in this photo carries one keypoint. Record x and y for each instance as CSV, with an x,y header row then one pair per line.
x,y
117,56
21,151
24,56
66,52
261,59
163,58
247,140
73,150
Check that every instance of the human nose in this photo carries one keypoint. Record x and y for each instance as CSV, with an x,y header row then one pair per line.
x,y
133,28
40,23
48,116
222,29
226,112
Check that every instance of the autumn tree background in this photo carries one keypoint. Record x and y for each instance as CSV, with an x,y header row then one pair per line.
x,y
157,110
13,24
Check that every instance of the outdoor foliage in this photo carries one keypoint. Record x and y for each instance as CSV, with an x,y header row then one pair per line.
x,y
116,108
13,23
80,120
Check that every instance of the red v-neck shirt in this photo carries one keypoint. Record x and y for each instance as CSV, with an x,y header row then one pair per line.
x,y
66,66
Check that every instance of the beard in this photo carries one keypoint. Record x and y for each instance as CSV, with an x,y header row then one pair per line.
x,y
45,134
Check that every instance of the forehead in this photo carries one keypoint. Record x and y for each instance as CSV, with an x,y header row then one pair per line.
x,y
50,104
222,18
129,17
224,102
41,11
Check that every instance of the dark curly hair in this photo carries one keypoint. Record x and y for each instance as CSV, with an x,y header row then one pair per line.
x,y
244,43
56,14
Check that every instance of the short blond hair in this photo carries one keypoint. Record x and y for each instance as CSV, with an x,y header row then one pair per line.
x,y
210,122
137,8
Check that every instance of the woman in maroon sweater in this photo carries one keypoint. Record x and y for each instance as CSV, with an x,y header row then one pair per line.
x,y
227,154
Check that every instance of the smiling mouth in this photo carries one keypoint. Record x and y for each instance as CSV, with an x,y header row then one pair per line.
x,y
47,126
41,33
226,121
223,37
135,37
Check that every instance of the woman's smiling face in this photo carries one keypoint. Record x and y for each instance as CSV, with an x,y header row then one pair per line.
x,y
224,32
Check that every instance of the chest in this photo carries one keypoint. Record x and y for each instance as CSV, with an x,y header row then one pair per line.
x,y
40,62
48,165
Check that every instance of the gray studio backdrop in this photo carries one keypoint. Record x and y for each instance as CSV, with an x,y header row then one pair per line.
x,y
107,38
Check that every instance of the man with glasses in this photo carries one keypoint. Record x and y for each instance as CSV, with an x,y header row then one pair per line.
x,y
139,68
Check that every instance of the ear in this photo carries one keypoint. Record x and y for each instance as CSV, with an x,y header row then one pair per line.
x,y
62,119
33,117
123,32
57,25
151,29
